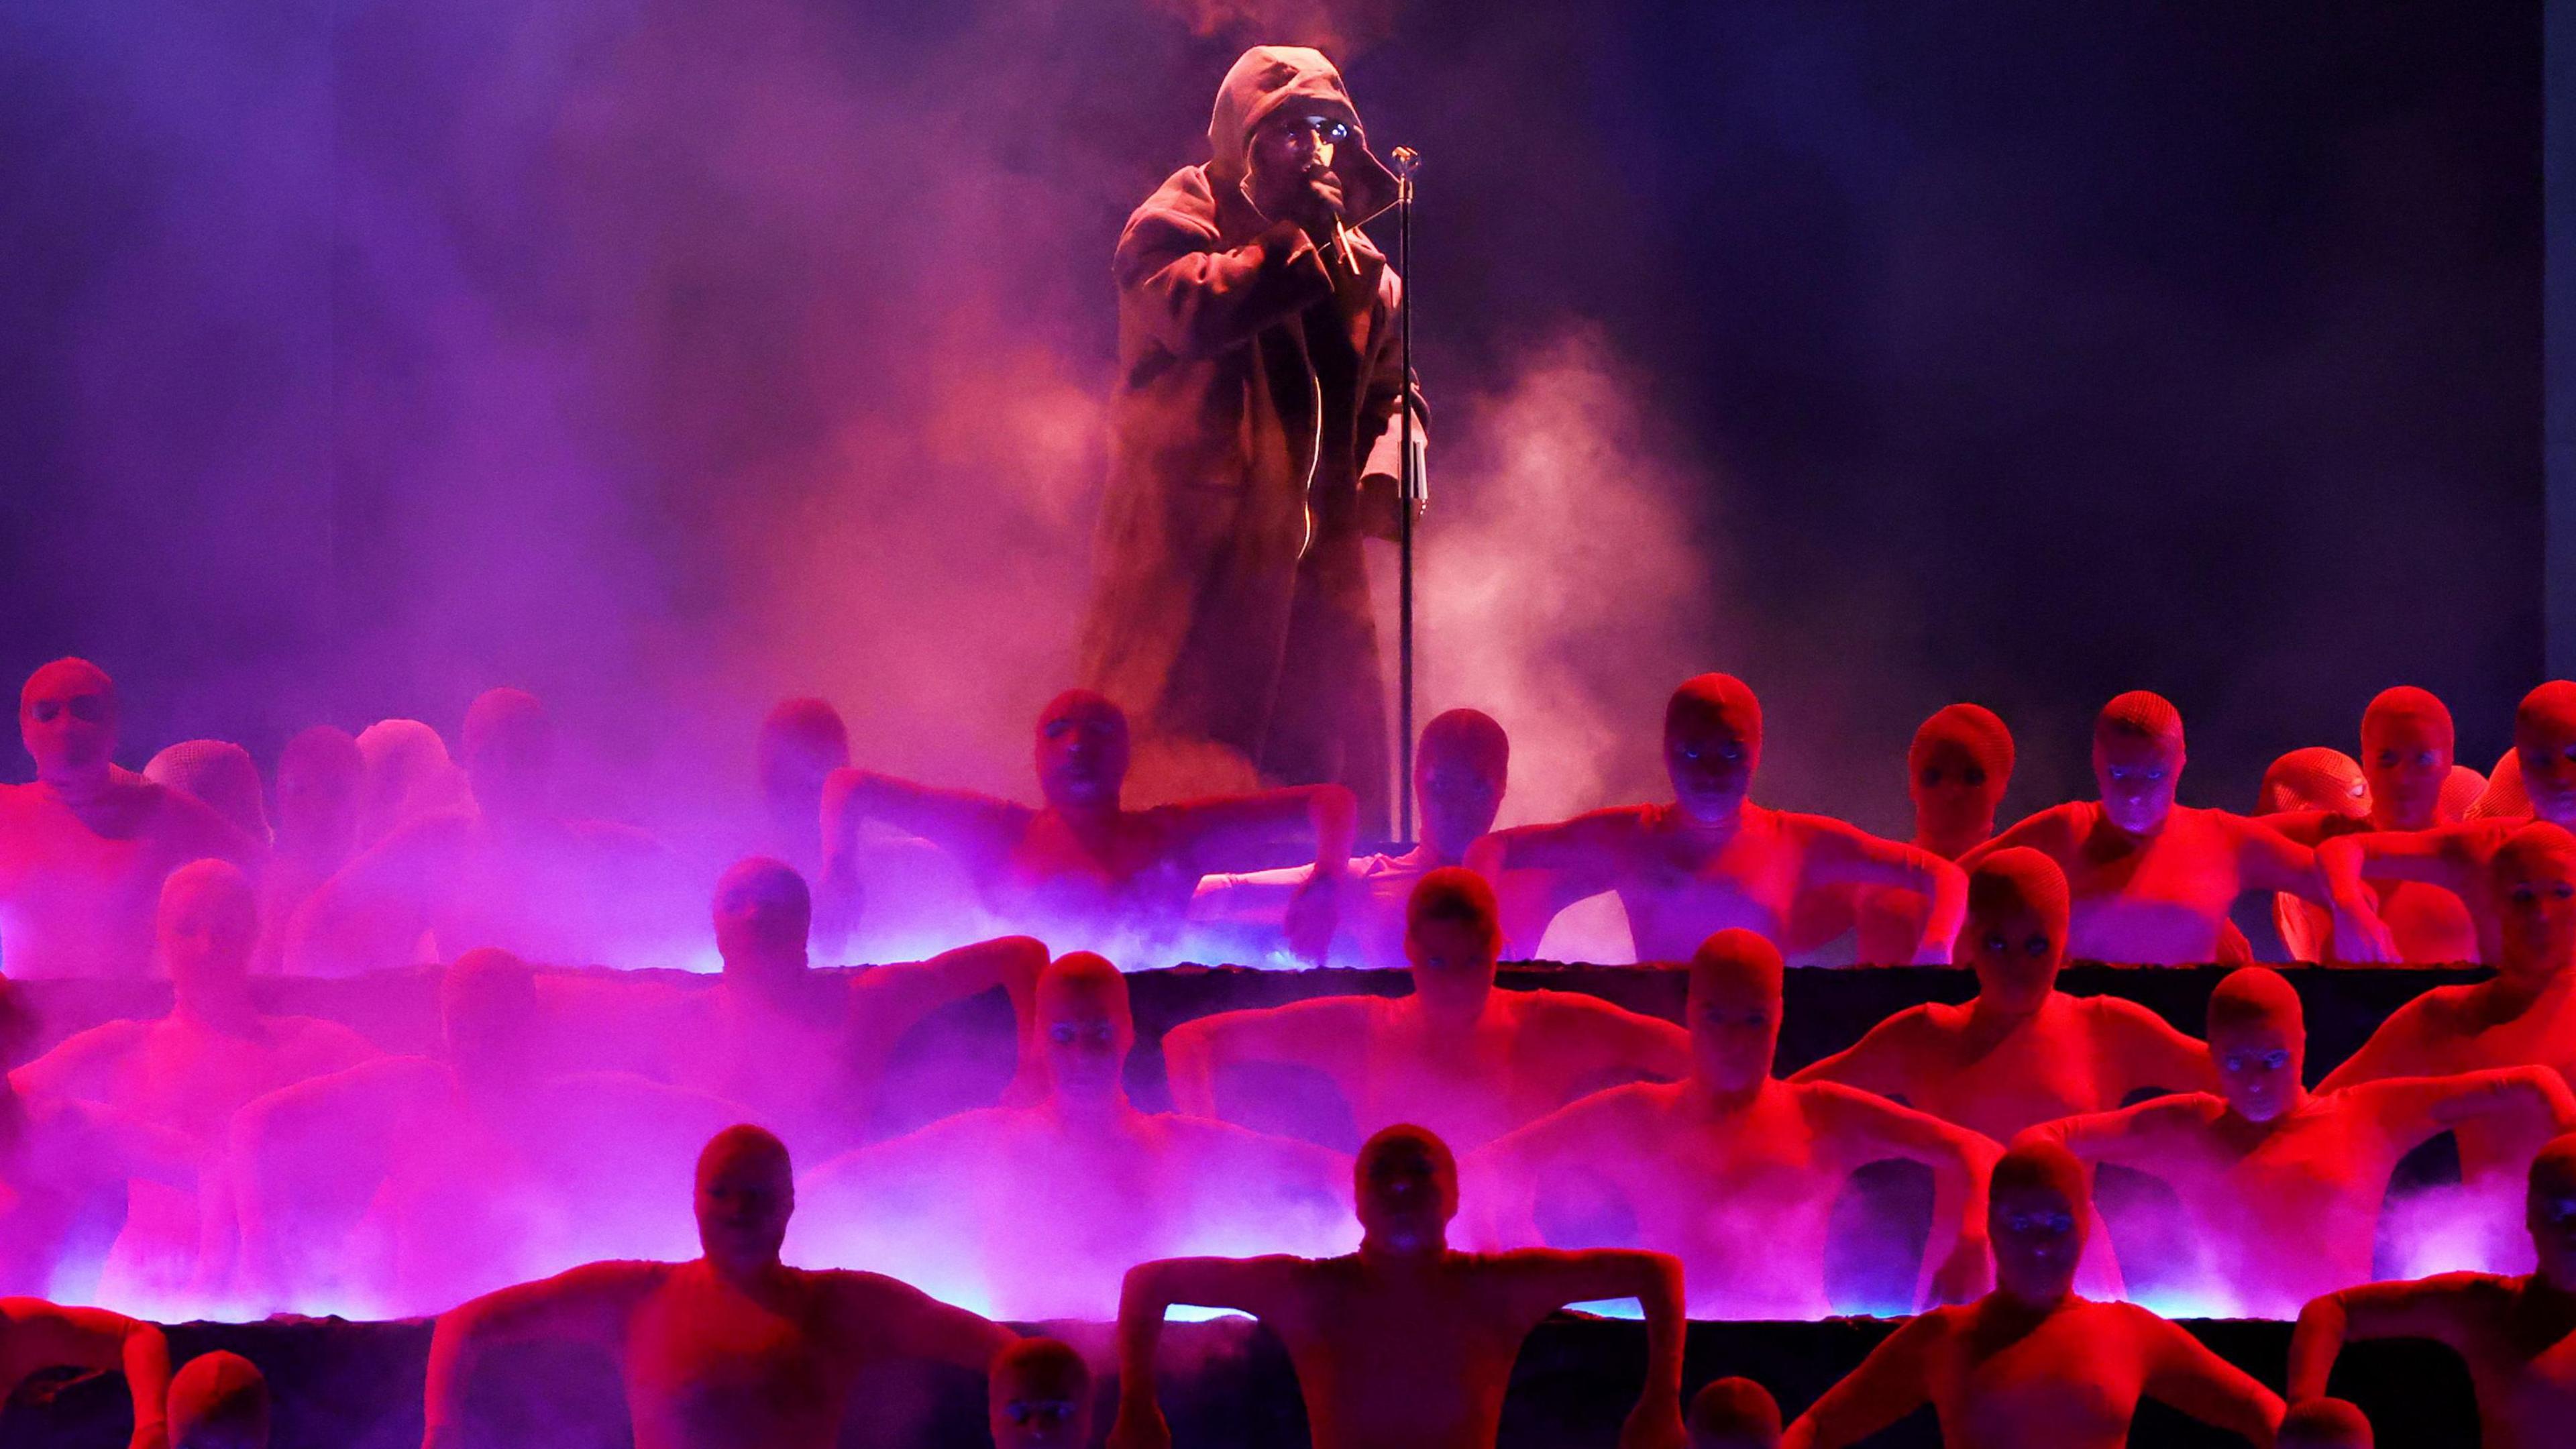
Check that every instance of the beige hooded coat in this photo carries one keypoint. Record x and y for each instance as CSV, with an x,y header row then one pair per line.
x,y
1230,614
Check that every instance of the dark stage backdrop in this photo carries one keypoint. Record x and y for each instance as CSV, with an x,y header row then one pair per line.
x,y
668,355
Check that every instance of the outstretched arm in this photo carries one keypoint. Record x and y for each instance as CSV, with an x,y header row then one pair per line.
x,y
2131,1137
899,1320
887,1001
1589,1041
1889,1384
2048,831
1882,1061
1957,1267
978,829
1839,854
2183,1373
2424,1308
2270,861
2446,856
1328,1033
1222,833
1543,1280
42,1335
588,1304
371,912
1586,850
2415,1109
78,1067
2144,1051
1258,1286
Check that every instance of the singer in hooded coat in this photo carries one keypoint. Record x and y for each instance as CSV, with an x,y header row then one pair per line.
x,y
1259,377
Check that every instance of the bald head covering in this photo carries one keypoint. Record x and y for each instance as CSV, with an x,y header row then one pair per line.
x,y
322,753
2532,845
1737,1411
2315,778
744,1142
219,775
1405,1134
1085,972
219,881
66,676
1268,78
1470,735
1453,893
2255,995
1721,697
1736,954
1082,703
2042,1164
218,1401
810,722
2461,789
507,722
2549,709
1036,1368
2020,878
408,776
2554,1165
2324,1424
2140,712
1973,728
2406,702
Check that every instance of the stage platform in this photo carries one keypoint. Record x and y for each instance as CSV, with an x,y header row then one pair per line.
x,y
593,1014
1226,1385
357,1385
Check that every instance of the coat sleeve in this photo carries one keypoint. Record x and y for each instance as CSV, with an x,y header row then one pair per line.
x,y
1196,300
1388,387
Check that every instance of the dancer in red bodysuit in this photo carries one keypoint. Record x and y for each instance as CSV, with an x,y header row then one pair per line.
x,y
1406,1341
36,1336
2152,881
2022,1052
1712,859
185,1074
516,873
2517,1334
2033,1363
947,1207
2311,795
219,775
1470,1061
1734,1171
1039,1396
2283,1187
219,1401
1734,1414
1459,776
406,1183
1083,863
321,787
2454,857
808,1053
2523,1015
734,1350
84,849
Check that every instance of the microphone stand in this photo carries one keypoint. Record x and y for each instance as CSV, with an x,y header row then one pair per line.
x,y
1408,491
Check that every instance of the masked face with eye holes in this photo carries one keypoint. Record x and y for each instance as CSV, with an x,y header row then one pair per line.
x,y
2532,881
67,720
1085,1029
1712,745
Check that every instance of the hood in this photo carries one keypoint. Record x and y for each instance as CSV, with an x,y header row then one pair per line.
x,y
1267,77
